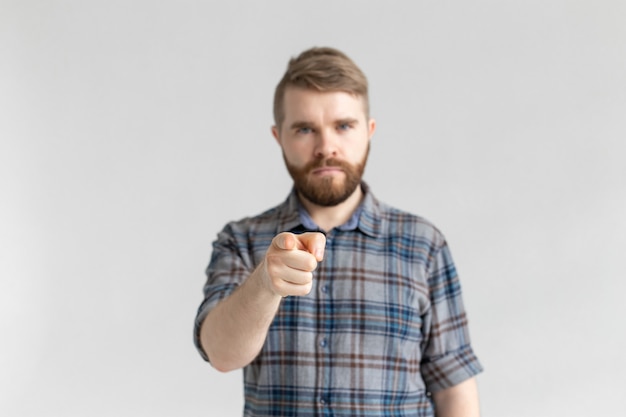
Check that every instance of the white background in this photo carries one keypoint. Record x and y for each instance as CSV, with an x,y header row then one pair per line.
x,y
132,131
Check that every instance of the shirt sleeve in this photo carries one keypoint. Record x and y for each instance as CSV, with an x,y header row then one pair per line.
x,y
448,358
226,271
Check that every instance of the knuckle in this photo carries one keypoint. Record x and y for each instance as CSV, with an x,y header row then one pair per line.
x,y
311,263
306,288
278,287
307,278
273,260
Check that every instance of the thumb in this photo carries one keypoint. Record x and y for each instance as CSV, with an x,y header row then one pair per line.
x,y
286,241
314,243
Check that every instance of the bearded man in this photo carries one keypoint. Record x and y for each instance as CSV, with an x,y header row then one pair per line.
x,y
333,302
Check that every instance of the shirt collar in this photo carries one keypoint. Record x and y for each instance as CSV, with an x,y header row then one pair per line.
x,y
293,216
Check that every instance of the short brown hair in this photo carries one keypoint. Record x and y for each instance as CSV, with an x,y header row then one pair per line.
x,y
322,69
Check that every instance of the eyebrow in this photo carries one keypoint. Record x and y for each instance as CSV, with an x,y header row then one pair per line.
x,y
302,124
347,120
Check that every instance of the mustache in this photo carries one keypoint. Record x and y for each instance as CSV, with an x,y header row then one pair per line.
x,y
330,162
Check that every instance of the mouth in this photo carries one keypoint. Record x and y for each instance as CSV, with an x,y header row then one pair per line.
x,y
328,170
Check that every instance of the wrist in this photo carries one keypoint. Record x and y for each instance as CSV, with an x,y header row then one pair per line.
x,y
262,282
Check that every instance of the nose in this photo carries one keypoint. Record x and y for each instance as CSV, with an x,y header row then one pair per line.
x,y
325,144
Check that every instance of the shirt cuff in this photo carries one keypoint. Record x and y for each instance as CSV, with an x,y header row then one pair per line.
x,y
207,305
450,369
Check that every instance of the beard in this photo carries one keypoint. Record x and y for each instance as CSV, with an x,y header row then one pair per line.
x,y
327,191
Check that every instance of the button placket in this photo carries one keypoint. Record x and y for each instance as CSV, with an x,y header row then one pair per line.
x,y
324,327
323,342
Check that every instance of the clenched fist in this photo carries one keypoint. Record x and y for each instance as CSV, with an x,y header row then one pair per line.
x,y
290,261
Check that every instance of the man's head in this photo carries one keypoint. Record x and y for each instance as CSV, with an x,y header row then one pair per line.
x,y
321,69
323,125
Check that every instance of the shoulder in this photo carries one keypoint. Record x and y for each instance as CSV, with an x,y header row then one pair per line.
x,y
395,222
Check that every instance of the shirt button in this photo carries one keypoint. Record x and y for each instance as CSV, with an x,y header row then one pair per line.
x,y
323,343
323,400
325,289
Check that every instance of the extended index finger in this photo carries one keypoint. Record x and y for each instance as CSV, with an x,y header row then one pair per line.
x,y
314,243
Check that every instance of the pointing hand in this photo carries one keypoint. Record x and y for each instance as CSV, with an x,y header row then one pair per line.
x,y
291,260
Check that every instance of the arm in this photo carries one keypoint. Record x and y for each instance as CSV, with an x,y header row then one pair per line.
x,y
460,400
233,333
449,364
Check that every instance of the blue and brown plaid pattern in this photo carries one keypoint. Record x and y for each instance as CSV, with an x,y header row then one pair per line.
x,y
383,326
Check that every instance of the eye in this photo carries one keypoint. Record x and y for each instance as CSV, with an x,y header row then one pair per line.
x,y
344,126
304,130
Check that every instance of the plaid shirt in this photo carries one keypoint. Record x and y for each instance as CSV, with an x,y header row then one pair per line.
x,y
383,326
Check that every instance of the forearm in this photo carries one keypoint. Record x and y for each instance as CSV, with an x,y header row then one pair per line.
x,y
458,401
233,333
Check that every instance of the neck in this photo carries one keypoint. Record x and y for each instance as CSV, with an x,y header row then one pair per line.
x,y
328,218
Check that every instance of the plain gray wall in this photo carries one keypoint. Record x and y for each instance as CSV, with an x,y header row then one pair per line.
x,y
132,131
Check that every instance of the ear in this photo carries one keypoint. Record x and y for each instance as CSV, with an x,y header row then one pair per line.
x,y
276,134
371,128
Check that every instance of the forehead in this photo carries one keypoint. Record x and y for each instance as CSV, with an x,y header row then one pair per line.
x,y
317,106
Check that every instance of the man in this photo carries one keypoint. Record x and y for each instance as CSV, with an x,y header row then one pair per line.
x,y
334,303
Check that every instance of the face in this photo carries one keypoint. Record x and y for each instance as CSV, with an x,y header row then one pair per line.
x,y
325,139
